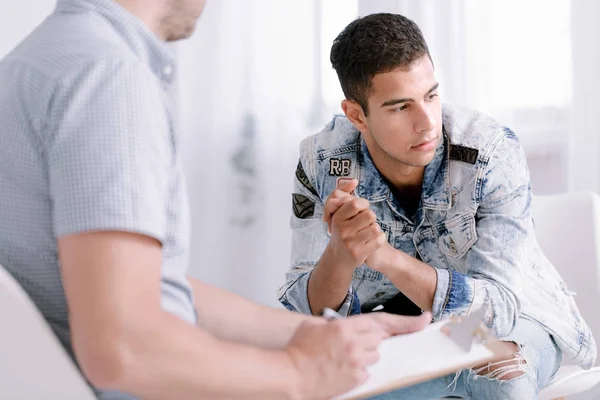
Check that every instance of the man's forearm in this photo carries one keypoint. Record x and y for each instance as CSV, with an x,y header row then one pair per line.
x,y
328,284
233,318
415,279
167,358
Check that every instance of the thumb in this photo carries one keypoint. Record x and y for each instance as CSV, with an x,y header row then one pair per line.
x,y
400,324
347,184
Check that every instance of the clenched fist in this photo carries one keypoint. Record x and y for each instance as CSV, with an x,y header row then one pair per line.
x,y
355,234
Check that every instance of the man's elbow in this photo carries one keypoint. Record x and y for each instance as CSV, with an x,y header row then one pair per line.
x,y
107,360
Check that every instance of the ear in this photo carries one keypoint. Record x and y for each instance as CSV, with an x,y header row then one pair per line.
x,y
355,114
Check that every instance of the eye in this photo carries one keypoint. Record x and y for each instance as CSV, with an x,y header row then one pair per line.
x,y
401,108
431,96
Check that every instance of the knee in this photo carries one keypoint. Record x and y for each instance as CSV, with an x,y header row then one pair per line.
x,y
510,367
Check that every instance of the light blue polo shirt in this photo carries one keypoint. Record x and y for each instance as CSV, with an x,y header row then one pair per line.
x,y
87,144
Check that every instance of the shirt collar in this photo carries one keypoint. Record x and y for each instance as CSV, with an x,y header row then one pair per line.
x,y
138,37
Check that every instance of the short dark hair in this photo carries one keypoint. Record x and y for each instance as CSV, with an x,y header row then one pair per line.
x,y
371,45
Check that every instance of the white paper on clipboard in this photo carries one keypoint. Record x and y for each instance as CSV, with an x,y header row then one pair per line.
x,y
421,356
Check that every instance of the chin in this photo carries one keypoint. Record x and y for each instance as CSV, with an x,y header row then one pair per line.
x,y
183,33
422,160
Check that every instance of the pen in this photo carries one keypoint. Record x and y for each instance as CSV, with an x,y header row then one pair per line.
x,y
330,314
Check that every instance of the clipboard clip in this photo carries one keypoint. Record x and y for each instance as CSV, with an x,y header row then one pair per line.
x,y
464,331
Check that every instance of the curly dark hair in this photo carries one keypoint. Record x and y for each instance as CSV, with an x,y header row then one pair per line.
x,y
374,44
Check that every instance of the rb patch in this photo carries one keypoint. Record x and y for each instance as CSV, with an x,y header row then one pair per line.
x,y
339,166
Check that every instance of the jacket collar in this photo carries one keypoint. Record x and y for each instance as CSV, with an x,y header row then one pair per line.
x,y
435,192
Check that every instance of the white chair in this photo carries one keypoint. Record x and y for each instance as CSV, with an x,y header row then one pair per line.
x,y
568,230
33,364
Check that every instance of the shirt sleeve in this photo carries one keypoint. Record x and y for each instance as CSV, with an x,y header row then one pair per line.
x,y
504,233
109,151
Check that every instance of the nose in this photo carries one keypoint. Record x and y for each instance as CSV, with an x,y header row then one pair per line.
x,y
425,121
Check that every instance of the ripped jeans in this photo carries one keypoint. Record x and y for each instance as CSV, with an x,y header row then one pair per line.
x,y
538,359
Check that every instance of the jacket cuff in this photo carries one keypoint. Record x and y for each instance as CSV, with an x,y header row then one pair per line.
x,y
294,297
453,294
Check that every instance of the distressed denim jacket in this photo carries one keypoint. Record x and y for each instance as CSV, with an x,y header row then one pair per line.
x,y
473,226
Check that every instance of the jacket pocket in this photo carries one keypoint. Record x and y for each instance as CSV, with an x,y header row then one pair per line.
x,y
456,235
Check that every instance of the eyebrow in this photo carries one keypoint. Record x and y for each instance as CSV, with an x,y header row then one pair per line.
x,y
406,100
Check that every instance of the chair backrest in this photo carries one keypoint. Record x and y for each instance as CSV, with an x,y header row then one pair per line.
x,y
33,364
567,228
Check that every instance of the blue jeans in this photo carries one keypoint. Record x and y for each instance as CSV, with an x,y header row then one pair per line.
x,y
539,350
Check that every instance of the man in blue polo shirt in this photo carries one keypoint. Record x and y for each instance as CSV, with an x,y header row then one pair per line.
x,y
94,223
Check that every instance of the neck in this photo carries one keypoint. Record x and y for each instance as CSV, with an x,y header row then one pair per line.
x,y
408,179
402,177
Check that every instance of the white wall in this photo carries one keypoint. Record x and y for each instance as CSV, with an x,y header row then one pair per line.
x,y
18,18
584,138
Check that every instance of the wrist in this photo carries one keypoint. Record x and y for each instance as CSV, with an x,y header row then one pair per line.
x,y
392,262
335,262
294,385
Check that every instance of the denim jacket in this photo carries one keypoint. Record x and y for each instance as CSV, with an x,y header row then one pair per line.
x,y
473,226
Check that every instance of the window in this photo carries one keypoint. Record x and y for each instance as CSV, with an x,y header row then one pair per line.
x,y
518,57
523,48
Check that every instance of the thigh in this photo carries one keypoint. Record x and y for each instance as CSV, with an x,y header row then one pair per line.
x,y
541,357
539,349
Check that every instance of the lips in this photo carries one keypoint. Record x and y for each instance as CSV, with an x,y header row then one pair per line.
x,y
426,145
425,142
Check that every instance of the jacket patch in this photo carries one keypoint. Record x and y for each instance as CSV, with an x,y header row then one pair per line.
x,y
339,166
464,154
303,206
301,176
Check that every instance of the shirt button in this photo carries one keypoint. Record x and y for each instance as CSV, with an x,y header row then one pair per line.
x,y
453,246
168,70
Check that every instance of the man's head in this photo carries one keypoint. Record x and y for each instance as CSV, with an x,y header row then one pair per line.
x,y
169,19
387,76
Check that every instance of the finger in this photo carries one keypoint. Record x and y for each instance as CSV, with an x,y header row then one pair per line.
x,y
400,324
363,220
361,323
359,377
339,194
350,209
335,200
347,185
371,339
359,239
333,204
369,357
375,243
363,224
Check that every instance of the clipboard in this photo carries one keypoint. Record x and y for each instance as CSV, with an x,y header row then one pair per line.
x,y
440,349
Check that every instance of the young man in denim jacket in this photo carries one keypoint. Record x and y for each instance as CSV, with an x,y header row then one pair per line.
x,y
413,205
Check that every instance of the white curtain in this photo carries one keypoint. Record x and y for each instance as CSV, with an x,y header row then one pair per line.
x,y
245,100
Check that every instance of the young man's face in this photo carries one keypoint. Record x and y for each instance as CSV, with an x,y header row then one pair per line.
x,y
405,114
